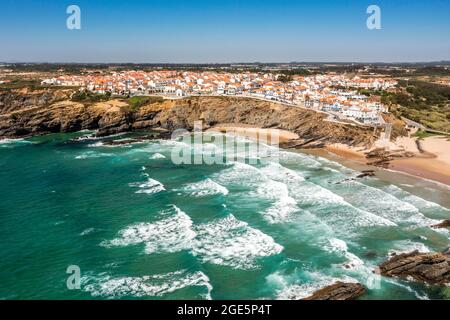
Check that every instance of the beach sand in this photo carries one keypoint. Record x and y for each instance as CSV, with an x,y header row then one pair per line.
x,y
431,161
256,133
347,152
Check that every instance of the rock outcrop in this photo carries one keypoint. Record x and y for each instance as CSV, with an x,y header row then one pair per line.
x,y
38,115
444,224
432,268
339,291
13,100
381,157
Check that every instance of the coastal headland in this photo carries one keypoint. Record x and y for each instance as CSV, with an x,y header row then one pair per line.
x,y
26,113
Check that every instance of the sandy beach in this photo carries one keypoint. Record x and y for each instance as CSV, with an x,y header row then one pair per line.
x,y
430,161
272,135
431,158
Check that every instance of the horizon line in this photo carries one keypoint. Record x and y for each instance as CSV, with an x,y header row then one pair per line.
x,y
224,63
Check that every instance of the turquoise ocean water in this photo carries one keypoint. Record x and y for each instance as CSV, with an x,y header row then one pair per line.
x,y
140,227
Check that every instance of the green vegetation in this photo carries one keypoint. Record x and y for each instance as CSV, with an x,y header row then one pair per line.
x,y
135,103
20,84
423,102
295,72
424,134
369,92
90,97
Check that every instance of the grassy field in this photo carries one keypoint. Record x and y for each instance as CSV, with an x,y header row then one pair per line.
x,y
90,97
139,101
423,134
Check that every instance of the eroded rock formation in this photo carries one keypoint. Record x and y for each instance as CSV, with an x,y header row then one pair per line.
x,y
432,268
339,291
442,225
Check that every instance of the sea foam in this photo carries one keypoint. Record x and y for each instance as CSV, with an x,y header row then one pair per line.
x,y
150,186
146,286
205,188
233,243
171,234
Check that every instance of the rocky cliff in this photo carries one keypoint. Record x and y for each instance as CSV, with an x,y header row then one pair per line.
x,y
339,291
25,114
432,268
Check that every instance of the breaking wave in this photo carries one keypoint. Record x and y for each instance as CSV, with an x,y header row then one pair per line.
x,y
150,186
146,286
172,234
233,243
205,188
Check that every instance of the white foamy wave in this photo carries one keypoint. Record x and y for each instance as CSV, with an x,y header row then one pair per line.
x,y
232,243
407,246
381,203
282,210
10,143
87,231
417,294
93,155
150,186
306,161
334,208
286,290
340,247
416,201
146,286
205,188
172,234
93,136
278,172
261,186
332,165
157,156
284,205
240,174
96,144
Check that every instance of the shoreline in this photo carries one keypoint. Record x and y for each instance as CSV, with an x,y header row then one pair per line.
x,y
428,159
270,135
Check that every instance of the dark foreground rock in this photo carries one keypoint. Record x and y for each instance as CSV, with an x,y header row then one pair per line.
x,y
432,268
339,291
366,173
135,140
442,225
381,157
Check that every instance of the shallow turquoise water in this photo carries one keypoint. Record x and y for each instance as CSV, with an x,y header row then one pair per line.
x,y
139,226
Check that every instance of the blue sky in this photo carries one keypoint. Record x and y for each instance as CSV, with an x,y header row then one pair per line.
x,y
224,31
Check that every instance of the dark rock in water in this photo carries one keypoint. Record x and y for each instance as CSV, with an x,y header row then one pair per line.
x,y
432,268
339,291
443,224
131,140
366,173
370,255
120,142
363,174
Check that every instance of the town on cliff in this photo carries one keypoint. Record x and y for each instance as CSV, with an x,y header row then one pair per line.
x,y
337,95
